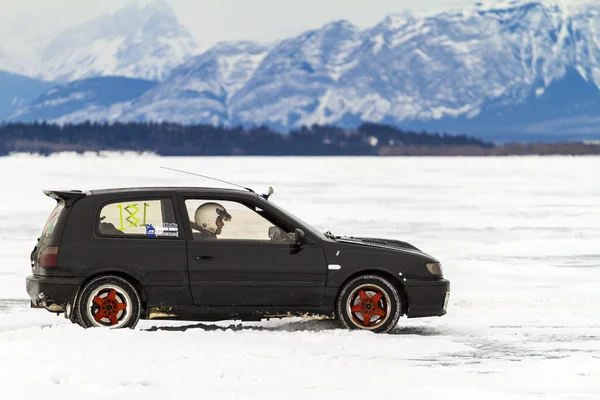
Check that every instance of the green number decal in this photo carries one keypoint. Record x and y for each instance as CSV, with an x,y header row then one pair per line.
x,y
132,210
146,205
121,227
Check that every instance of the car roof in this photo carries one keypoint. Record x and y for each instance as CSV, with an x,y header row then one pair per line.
x,y
170,189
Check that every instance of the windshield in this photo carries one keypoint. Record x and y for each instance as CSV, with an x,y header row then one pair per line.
x,y
53,219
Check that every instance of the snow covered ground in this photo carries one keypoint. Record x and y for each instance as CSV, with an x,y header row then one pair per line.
x,y
519,239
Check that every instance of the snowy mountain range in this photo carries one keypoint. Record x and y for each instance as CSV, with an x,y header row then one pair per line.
x,y
143,42
83,96
18,91
522,70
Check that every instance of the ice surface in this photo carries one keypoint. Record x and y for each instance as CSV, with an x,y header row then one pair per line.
x,y
519,239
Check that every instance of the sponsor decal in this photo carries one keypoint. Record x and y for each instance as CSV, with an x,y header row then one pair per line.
x,y
150,231
168,230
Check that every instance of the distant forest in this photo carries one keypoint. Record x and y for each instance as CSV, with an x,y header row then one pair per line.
x,y
170,139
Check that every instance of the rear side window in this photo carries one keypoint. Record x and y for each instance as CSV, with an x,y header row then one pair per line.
x,y
53,220
140,218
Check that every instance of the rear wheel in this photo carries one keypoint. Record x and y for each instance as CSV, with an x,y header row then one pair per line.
x,y
369,302
108,301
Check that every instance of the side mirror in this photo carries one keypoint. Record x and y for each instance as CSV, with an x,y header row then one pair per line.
x,y
300,237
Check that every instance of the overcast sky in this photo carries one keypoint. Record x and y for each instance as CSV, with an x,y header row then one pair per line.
x,y
211,21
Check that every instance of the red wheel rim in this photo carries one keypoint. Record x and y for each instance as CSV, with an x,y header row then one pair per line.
x,y
108,307
368,306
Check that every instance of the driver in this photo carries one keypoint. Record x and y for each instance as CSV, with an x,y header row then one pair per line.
x,y
209,220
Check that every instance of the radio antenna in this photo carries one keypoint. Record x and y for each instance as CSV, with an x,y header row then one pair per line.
x,y
207,177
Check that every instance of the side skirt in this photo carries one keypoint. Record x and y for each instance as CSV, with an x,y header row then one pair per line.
x,y
241,313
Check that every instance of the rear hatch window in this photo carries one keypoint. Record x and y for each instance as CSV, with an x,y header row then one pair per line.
x,y
50,226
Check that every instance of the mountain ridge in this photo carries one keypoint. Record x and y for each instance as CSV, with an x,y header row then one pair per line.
x,y
456,69
17,91
137,41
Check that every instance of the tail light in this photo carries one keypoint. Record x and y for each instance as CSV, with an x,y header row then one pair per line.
x,y
49,257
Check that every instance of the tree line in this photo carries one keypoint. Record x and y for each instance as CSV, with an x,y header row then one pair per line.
x,y
171,139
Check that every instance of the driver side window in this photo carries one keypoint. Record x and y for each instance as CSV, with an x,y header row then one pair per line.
x,y
230,220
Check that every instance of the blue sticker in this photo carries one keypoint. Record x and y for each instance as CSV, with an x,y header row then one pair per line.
x,y
150,231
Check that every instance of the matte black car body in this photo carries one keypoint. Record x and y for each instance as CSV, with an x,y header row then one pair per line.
x,y
178,278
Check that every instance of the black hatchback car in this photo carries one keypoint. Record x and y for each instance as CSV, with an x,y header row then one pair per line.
x,y
107,258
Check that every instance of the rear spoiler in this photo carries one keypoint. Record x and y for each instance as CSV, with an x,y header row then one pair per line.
x,y
68,196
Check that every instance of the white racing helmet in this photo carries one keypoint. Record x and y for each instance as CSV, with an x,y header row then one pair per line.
x,y
207,214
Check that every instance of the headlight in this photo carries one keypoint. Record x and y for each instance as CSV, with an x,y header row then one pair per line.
x,y
435,269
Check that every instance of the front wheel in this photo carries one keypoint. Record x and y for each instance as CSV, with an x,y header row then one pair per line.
x,y
108,301
369,302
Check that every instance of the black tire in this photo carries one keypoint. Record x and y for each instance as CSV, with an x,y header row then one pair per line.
x,y
108,301
351,300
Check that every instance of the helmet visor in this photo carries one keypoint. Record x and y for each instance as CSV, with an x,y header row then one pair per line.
x,y
223,214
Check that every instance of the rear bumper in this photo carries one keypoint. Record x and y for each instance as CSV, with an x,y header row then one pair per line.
x,y
52,293
427,298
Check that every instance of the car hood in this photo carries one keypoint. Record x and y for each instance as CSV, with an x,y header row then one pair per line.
x,y
390,244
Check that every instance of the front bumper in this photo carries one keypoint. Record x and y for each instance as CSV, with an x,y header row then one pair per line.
x,y
427,298
52,293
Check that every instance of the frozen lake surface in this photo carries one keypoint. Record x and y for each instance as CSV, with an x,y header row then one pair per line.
x,y
519,239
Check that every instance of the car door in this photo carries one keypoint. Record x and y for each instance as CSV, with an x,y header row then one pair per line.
x,y
242,265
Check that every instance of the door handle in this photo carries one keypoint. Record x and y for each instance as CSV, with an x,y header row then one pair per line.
x,y
199,257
